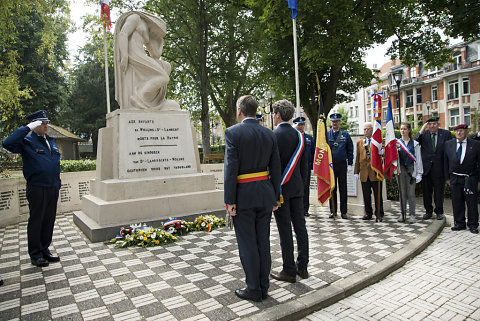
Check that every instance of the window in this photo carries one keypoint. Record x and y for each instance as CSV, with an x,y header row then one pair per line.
x,y
434,93
454,118
369,115
369,98
466,115
351,112
419,95
453,89
413,72
356,111
409,98
466,85
457,62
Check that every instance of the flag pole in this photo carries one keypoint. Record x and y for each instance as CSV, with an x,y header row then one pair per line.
x,y
295,55
106,67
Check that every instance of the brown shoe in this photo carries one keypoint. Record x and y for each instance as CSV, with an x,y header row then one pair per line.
x,y
303,273
282,276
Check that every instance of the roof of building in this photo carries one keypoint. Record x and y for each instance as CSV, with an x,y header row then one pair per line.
x,y
61,133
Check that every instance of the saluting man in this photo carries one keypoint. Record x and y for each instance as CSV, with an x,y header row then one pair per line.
x,y
341,146
462,169
432,140
41,169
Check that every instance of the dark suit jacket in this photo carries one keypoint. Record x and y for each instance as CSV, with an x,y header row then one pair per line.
x,y
433,160
287,140
250,147
471,162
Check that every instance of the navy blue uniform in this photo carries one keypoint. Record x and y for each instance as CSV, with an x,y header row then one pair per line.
x,y
342,155
291,213
41,169
310,150
252,148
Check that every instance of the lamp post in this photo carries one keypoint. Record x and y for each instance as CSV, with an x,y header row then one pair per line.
x,y
398,80
263,104
428,108
270,94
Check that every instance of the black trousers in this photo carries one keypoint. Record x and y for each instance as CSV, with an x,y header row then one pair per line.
x,y
306,194
291,213
459,198
340,173
42,202
367,188
433,184
252,229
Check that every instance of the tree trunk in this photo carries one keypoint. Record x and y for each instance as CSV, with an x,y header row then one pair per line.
x,y
203,45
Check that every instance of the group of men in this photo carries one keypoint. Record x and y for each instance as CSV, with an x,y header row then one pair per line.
x,y
269,171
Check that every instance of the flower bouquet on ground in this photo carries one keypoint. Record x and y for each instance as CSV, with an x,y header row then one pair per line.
x,y
143,236
207,223
177,227
146,236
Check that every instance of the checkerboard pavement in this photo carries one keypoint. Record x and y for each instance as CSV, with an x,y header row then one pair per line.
x,y
441,283
193,279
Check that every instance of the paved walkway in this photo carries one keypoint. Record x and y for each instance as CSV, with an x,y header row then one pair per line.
x,y
441,283
194,279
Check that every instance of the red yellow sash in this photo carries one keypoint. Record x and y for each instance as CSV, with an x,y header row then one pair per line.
x,y
252,177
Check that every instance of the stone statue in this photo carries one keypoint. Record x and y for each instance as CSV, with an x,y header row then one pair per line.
x,y
141,80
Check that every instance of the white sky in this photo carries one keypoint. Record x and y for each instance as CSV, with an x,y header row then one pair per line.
x,y
79,8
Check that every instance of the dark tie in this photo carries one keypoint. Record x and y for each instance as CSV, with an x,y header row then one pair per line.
x,y
433,142
459,152
367,148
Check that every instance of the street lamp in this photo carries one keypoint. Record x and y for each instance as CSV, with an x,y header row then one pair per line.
x,y
428,108
397,76
270,94
263,103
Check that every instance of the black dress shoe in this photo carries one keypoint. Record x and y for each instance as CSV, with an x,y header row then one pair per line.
x,y
40,262
264,296
244,295
307,214
367,217
440,217
331,215
474,230
458,228
282,276
1,282
303,273
427,216
51,258
344,216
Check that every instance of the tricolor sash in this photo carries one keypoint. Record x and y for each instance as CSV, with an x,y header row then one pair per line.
x,y
401,143
292,163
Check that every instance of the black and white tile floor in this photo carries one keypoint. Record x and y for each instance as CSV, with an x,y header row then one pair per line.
x,y
193,279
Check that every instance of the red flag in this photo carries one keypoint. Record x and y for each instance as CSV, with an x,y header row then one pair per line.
x,y
376,146
322,162
105,14
391,153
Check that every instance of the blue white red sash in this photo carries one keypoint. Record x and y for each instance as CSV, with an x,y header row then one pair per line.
x,y
401,143
287,173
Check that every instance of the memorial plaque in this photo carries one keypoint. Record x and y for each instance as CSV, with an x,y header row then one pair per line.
x,y
155,144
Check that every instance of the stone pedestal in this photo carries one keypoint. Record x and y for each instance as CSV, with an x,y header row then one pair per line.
x,y
147,171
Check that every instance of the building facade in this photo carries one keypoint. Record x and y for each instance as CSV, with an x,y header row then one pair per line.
x,y
451,92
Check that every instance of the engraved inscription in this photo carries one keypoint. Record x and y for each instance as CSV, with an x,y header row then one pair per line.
x,y
65,193
22,197
83,189
5,200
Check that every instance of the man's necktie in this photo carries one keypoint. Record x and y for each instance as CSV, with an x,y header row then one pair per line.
x,y
433,142
459,152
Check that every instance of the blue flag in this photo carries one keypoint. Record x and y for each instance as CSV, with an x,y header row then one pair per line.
x,y
292,4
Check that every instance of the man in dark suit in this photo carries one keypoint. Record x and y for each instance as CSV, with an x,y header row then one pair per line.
x,y
299,123
462,169
432,142
251,193
294,160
